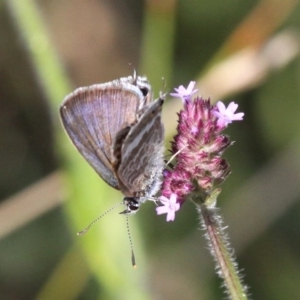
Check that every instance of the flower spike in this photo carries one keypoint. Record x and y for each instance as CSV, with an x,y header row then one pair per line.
x,y
197,149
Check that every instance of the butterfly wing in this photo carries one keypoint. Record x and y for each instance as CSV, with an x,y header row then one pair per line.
x,y
92,116
142,83
142,154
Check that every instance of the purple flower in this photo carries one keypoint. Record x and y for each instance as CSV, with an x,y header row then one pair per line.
x,y
227,115
197,166
169,208
185,93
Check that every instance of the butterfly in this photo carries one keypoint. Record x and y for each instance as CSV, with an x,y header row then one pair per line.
x,y
118,129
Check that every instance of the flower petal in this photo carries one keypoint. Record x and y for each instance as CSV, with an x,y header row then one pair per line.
x,y
171,216
162,210
170,206
227,115
185,93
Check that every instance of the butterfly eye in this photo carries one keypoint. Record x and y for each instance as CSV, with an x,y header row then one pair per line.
x,y
132,205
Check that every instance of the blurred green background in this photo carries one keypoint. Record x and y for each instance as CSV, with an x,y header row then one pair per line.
x,y
242,51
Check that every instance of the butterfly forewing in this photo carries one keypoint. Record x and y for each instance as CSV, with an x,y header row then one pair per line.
x,y
93,116
142,154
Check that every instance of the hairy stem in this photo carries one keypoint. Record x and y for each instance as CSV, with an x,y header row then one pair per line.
x,y
220,250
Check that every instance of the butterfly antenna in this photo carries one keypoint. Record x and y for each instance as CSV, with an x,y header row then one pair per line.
x,y
97,219
131,245
163,84
134,77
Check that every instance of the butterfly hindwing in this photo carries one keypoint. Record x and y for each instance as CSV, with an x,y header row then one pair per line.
x,y
142,154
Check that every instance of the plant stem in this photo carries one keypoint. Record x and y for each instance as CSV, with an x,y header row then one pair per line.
x,y
220,250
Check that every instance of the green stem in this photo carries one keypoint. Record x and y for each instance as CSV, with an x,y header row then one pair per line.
x,y
157,41
109,262
219,248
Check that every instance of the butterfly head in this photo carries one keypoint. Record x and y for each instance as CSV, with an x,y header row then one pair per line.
x,y
132,205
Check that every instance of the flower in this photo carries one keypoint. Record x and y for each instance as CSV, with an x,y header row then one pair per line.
x,y
185,93
198,147
227,115
198,166
169,208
